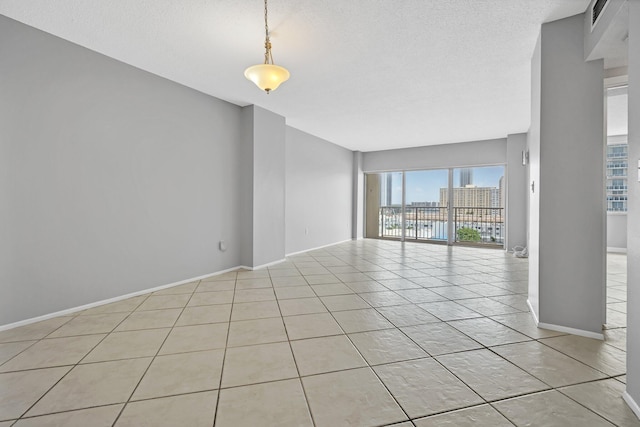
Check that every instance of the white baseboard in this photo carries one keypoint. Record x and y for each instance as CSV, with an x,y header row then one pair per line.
x,y
564,329
632,403
257,267
572,331
110,300
319,247
617,250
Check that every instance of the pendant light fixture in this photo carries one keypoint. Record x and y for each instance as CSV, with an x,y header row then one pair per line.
x,y
267,76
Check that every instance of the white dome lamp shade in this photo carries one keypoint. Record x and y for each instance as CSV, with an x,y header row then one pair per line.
x,y
267,76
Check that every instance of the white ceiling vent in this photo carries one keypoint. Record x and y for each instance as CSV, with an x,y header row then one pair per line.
x,y
596,11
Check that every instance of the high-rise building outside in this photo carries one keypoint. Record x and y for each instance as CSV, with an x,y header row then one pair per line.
x,y
617,165
466,177
470,196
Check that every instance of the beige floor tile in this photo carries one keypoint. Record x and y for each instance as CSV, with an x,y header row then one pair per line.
x,y
344,302
592,352
180,374
255,310
486,290
616,338
126,305
128,345
361,320
407,315
254,283
210,298
488,332
616,319
274,404
292,307
33,331
222,285
219,313
423,387
149,320
252,332
489,375
159,302
187,288
318,278
383,299
195,338
487,306
258,363
440,338
517,301
549,409
109,383
454,292
20,390
477,416
368,286
311,325
386,346
291,292
326,354
289,281
102,416
52,352
449,310
11,349
331,289
547,364
253,274
605,399
399,284
524,323
90,324
350,398
352,277
418,296
254,295
193,410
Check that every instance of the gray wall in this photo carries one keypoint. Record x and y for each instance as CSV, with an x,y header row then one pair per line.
x,y
616,231
533,188
113,180
516,192
319,189
633,230
477,153
571,228
268,187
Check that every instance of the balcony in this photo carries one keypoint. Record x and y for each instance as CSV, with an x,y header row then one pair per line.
x,y
484,226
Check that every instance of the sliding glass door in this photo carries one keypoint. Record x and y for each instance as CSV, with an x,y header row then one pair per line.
x,y
441,205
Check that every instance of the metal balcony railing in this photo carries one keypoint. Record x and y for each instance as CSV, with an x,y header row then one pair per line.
x,y
471,225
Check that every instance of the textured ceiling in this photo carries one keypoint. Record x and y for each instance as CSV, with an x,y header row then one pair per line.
x,y
365,74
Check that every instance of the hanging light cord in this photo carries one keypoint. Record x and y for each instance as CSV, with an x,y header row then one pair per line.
x,y
268,58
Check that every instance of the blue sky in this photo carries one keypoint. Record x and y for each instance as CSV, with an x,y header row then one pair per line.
x,y
424,186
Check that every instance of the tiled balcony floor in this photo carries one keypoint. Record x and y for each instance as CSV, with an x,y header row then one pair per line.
x,y
365,333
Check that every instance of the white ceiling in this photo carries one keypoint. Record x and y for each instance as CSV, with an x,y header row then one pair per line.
x,y
365,74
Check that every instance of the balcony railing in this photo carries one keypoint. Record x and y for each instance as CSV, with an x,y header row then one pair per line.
x,y
471,225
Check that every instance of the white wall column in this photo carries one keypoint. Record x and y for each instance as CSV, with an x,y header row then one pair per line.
x,y
567,211
516,192
264,186
632,395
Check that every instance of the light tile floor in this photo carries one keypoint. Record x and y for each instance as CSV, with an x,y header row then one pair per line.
x,y
365,333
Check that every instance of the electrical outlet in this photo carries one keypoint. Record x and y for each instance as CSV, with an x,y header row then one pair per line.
x,y
222,245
